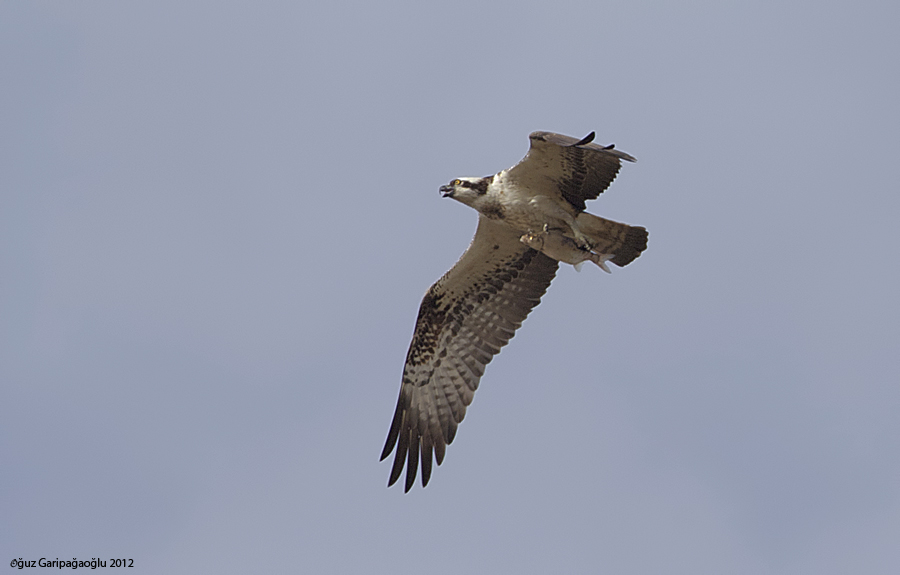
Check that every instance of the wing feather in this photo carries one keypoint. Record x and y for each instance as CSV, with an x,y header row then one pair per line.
x,y
578,171
413,459
439,451
464,320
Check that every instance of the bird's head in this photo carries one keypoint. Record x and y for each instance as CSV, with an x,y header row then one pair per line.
x,y
466,190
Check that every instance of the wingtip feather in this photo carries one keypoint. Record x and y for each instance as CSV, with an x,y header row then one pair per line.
x,y
426,460
412,463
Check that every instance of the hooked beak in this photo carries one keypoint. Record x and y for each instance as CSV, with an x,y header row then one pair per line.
x,y
447,191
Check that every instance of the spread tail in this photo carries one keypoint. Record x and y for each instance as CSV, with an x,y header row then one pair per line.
x,y
608,237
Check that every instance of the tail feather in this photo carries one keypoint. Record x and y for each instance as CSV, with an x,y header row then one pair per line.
x,y
608,237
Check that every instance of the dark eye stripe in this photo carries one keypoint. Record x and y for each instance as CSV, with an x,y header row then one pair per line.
x,y
479,186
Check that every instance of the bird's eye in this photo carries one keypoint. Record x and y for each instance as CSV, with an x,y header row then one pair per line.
x,y
457,182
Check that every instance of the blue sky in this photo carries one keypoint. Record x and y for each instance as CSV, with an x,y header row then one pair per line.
x,y
217,221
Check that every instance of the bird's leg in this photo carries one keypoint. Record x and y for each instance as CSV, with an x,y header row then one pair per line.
x,y
581,240
556,218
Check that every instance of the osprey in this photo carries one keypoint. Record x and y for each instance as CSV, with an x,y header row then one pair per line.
x,y
530,218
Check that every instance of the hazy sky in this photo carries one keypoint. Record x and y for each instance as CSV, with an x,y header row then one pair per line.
x,y
217,221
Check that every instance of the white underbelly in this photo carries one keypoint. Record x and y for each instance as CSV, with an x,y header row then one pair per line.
x,y
536,213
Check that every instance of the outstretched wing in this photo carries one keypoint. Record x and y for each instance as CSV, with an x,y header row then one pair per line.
x,y
578,169
464,320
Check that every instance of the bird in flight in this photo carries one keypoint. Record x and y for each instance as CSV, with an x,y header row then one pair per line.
x,y
530,217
